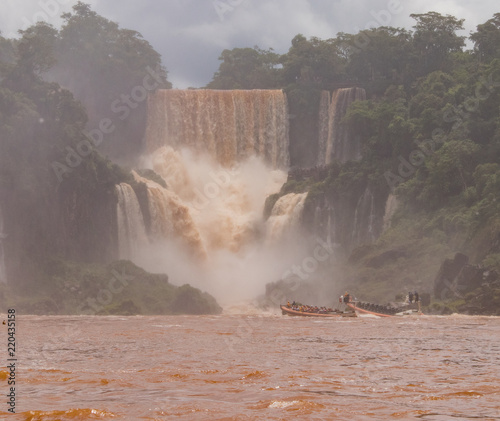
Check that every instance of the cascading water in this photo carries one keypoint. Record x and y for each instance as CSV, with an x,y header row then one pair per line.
x,y
3,271
323,126
230,126
220,155
285,215
363,227
391,206
335,141
131,230
171,219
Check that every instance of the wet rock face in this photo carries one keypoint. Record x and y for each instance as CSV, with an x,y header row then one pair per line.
x,y
478,287
448,273
385,258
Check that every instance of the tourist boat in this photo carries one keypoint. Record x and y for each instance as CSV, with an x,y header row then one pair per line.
x,y
385,311
285,310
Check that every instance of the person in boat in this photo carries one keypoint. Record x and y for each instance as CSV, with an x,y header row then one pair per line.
x,y
410,297
416,297
288,304
347,297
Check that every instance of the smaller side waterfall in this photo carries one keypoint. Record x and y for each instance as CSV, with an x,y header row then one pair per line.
x,y
3,271
171,218
285,216
335,141
131,229
323,126
390,208
363,229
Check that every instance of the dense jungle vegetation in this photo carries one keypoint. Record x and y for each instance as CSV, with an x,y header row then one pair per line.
x,y
430,131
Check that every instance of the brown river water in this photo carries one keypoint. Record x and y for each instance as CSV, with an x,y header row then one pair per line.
x,y
254,367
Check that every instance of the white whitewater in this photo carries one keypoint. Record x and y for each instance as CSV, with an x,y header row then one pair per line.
x,y
285,216
171,218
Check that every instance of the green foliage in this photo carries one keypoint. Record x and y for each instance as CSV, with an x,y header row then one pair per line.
x,y
313,62
120,287
102,64
35,53
449,172
40,124
383,126
153,176
435,39
189,300
492,261
379,57
487,39
247,68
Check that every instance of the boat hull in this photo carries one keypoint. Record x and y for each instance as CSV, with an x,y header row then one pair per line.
x,y
404,313
290,312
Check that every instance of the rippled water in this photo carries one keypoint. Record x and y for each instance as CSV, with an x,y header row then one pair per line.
x,y
255,367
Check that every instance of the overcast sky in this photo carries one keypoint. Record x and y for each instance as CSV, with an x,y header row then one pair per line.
x,y
191,34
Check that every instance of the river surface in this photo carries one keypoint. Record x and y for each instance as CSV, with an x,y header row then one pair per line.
x,y
254,367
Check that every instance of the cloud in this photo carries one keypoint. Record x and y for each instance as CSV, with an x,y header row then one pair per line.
x,y
21,14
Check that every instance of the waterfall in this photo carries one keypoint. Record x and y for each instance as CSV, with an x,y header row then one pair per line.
x,y
335,142
323,126
230,125
364,220
131,229
171,218
3,271
390,208
285,216
330,229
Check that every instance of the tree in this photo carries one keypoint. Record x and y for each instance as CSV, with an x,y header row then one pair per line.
x,y
379,56
435,39
105,67
247,68
7,55
33,55
450,172
382,126
314,62
487,39
427,108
